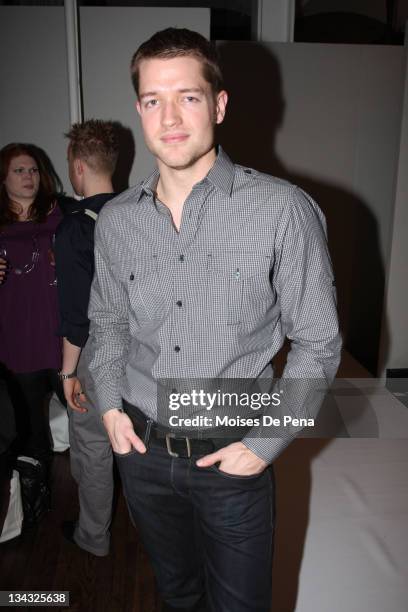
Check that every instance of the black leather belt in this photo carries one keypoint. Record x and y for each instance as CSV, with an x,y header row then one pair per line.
x,y
176,445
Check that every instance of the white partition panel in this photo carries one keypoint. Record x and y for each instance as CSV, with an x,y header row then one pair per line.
x,y
328,118
395,323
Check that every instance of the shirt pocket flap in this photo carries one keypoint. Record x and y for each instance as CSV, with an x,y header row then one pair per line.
x,y
239,265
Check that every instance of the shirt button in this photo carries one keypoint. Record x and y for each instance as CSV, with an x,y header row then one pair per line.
x,y
179,303
181,258
177,349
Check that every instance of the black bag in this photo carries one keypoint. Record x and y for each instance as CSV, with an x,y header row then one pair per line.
x,y
35,492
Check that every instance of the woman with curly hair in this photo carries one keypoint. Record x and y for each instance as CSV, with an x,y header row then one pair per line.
x,y
30,350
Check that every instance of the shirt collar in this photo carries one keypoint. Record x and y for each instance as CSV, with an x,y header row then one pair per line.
x,y
149,184
221,175
96,202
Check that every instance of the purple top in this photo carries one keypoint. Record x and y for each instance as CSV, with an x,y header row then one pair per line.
x,y
28,296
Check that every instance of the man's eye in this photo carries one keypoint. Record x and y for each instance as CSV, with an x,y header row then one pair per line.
x,y
151,103
191,99
18,170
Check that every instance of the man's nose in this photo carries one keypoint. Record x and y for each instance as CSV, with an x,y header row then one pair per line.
x,y
170,114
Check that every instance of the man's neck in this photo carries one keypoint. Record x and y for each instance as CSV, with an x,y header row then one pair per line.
x,y
175,184
97,186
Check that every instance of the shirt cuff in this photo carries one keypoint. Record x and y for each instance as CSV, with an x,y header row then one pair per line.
x,y
77,336
108,397
267,449
78,339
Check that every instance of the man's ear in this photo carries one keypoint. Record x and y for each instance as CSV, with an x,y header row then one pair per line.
x,y
78,165
220,106
138,106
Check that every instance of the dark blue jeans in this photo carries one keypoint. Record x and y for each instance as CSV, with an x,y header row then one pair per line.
x,y
209,535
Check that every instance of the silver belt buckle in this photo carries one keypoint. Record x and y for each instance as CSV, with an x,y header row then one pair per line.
x,y
168,444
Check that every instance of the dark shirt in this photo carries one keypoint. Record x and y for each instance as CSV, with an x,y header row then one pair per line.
x,y
74,254
67,203
28,296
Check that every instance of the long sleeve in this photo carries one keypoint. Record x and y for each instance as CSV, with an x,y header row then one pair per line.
x,y
75,268
304,282
109,331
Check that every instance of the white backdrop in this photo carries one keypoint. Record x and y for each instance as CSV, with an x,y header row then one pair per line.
x,y
34,105
109,38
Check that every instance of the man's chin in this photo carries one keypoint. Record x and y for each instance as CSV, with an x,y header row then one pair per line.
x,y
181,162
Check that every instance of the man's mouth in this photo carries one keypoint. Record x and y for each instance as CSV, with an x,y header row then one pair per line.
x,y
174,138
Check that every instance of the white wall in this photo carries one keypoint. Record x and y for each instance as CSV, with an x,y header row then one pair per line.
x,y
34,104
327,117
109,38
342,119
33,77
394,345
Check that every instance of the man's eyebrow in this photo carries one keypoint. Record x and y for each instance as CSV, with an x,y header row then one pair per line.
x,y
150,94
192,90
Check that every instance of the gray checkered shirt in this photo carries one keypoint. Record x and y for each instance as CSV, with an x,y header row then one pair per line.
x,y
249,267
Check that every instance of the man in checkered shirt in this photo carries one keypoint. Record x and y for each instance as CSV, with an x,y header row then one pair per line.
x,y
202,271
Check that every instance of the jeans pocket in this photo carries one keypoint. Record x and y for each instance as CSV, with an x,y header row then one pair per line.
x,y
124,455
228,476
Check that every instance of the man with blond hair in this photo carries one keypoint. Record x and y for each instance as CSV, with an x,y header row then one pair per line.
x,y
92,157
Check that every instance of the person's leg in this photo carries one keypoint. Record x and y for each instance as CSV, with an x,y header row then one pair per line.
x,y
237,522
7,435
8,420
156,490
56,386
28,393
92,468
5,478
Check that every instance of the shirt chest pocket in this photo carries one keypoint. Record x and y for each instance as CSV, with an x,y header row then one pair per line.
x,y
238,285
148,295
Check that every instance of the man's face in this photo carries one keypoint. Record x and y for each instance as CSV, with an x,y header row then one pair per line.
x,y
178,110
74,175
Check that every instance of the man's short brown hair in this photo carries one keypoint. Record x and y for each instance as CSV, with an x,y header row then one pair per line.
x,y
95,142
179,42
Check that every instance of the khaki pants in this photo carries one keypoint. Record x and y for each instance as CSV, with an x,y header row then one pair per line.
x,y
91,467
